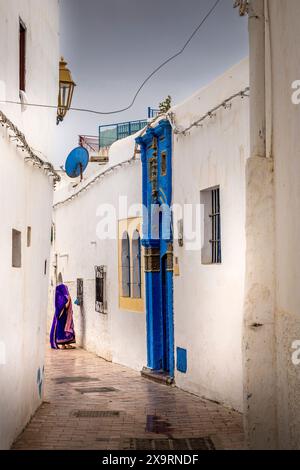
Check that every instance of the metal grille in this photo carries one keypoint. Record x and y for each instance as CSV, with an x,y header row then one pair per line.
x,y
22,55
216,227
95,414
96,390
201,443
63,380
100,288
110,133
152,113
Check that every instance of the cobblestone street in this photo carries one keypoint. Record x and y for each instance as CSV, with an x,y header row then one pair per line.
x,y
92,404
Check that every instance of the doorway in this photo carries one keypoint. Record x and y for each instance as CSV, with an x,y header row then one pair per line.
x,y
165,316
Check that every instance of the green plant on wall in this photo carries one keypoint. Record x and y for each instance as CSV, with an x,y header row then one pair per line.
x,y
165,105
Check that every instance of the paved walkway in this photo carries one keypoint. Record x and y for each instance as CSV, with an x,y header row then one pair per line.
x,y
93,404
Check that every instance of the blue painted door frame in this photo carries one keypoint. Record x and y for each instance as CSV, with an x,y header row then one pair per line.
x,y
156,156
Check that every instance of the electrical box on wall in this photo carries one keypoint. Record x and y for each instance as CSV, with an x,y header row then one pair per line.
x,y
182,360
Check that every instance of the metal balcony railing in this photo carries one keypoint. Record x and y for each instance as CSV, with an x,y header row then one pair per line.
x,y
152,113
110,133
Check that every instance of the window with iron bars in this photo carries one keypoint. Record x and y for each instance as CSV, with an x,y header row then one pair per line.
x,y
22,55
100,288
211,252
215,215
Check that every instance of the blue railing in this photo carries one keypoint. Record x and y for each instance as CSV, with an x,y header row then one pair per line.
x,y
152,113
110,133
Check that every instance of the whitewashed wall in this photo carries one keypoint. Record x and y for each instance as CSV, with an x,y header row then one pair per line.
x,y
273,258
119,335
285,35
208,299
26,200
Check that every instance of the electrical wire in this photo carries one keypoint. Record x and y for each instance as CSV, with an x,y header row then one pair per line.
x,y
174,56
226,104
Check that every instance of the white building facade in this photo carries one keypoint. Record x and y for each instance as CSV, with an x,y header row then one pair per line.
x,y
83,243
236,325
208,298
29,58
272,299
209,162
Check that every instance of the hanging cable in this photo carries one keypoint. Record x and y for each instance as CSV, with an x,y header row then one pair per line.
x,y
210,114
163,64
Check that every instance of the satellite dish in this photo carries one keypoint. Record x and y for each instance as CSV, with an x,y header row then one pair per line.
x,y
77,162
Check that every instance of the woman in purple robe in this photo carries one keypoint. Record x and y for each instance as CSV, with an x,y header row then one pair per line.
x,y
62,331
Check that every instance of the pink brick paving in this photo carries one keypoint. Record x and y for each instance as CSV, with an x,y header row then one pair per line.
x,y
170,413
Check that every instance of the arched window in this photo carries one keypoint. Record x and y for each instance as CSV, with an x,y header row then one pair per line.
x,y
125,265
136,268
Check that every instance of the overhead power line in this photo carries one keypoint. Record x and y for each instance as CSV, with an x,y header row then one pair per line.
x,y
226,104
163,64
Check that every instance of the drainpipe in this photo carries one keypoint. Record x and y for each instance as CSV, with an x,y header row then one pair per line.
x,y
259,360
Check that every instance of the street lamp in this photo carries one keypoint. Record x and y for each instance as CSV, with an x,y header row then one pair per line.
x,y
66,89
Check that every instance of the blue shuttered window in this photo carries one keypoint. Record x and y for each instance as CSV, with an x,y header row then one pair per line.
x,y
125,265
136,268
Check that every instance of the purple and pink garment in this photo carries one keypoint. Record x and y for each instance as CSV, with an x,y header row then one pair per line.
x,y
62,331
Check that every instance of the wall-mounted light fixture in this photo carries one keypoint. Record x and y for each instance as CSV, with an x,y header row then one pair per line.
x,y
66,89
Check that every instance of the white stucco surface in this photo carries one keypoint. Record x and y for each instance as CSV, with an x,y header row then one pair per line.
x,y
208,299
286,147
26,200
120,334
273,259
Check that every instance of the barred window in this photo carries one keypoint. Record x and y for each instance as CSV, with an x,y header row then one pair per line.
x,y
100,287
211,248
22,55
216,226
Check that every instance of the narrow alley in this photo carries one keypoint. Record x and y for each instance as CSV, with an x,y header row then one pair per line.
x,y
93,404
149,242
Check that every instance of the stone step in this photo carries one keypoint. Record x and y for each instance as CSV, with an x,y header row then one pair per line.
x,y
159,376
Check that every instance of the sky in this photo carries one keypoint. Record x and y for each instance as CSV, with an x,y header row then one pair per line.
x,y
112,45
